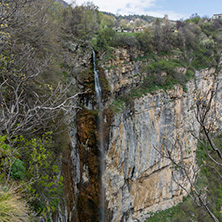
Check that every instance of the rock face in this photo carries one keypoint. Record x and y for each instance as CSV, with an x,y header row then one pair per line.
x,y
80,163
123,71
138,179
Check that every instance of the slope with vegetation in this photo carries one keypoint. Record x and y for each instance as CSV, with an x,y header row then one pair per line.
x,y
171,53
34,103
45,62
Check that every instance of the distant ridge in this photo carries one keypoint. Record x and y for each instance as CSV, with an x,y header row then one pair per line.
x,y
132,17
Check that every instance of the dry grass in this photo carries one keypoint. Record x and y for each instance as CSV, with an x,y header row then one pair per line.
x,y
12,208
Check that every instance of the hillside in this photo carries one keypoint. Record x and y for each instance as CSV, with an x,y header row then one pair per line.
x,y
102,121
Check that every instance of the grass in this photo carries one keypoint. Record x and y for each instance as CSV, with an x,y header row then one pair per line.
x,y
166,215
12,208
183,212
127,33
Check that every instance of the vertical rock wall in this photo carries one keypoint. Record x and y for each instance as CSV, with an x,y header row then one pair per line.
x,y
123,71
138,179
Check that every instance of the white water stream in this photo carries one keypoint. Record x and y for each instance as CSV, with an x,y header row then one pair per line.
x,y
101,142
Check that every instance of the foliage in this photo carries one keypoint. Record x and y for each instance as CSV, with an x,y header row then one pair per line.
x,y
203,58
47,183
82,21
104,38
160,74
147,18
163,65
124,41
183,212
18,170
164,39
38,170
209,177
196,39
118,105
31,92
190,45
163,74
145,40
194,18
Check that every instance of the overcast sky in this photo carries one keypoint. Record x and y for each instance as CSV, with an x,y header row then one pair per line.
x,y
175,9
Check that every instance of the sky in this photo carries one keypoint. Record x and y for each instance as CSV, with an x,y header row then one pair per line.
x,y
175,9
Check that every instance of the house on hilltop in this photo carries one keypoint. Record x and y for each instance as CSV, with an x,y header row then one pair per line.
x,y
217,16
139,29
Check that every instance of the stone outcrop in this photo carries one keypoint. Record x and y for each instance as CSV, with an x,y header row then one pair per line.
x,y
123,71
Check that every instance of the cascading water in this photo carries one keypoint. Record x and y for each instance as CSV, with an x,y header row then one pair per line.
x,y
101,142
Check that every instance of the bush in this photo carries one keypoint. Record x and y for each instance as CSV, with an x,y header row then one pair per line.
x,y
118,105
156,74
145,40
124,41
18,170
203,58
163,65
104,38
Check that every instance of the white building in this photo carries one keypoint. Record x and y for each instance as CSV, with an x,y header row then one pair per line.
x,y
217,16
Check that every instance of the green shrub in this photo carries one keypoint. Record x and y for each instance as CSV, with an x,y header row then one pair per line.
x,y
124,41
163,65
202,58
155,74
189,74
18,170
118,105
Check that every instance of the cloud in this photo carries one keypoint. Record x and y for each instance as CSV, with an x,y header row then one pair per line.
x,y
171,14
115,6
126,7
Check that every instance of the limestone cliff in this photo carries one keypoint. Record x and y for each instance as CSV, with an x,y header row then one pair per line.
x,y
123,70
137,179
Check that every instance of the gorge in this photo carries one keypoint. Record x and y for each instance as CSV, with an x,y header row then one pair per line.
x,y
137,179
103,122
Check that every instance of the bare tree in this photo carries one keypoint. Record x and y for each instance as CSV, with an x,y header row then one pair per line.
x,y
27,101
185,174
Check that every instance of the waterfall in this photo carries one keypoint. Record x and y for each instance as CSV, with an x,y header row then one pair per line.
x,y
101,142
